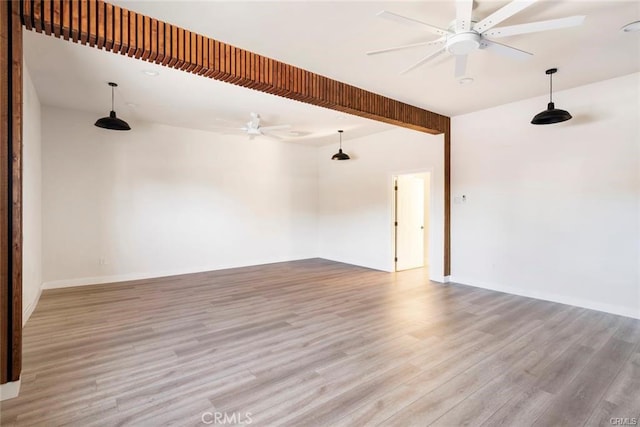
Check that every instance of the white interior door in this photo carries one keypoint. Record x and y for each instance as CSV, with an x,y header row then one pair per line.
x,y
409,222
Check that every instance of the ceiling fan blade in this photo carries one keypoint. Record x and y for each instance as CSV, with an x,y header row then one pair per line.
x,y
424,60
441,40
272,136
463,15
504,50
532,27
276,127
413,22
461,65
501,14
223,128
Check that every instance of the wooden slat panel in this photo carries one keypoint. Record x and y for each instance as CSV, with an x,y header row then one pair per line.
x,y
139,35
232,64
147,37
75,20
193,55
168,41
66,20
124,31
217,60
173,58
27,15
240,62
180,48
226,59
117,29
154,40
101,35
108,42
46,11
37,15
132,34
187,51
84,21
205,55
160,36
196,52
93,22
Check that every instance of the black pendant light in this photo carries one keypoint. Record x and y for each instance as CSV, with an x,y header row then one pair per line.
x,y
340,155
112,122
551,114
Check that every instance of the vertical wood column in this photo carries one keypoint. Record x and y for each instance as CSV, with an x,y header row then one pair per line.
x,y
447,198
10,191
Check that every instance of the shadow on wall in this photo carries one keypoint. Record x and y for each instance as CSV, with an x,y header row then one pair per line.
x,y
584,119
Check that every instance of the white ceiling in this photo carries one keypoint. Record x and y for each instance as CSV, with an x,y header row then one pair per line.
x,y
73,76
331,38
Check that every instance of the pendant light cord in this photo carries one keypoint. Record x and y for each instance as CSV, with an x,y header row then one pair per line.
x,y
551,87
112,89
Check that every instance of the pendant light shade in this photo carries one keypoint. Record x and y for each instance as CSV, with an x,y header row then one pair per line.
x,y
112,122
340,155
551,114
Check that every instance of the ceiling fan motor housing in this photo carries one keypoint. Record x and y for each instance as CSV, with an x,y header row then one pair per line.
x,y
463,43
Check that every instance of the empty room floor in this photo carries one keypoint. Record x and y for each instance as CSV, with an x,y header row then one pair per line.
x,y
321,343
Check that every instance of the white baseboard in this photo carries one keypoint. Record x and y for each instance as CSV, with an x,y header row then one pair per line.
x,y
9,390
100,280
562,299
28,310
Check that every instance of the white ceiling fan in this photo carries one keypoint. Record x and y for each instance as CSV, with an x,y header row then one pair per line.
x,y
466,35
253,128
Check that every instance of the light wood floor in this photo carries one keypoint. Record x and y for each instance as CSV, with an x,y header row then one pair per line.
x,y
320,343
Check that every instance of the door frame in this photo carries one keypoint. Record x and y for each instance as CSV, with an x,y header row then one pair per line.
x,y
436,221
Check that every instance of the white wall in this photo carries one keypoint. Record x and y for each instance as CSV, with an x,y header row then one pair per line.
x,y
356,196
552,212
160,200
31,194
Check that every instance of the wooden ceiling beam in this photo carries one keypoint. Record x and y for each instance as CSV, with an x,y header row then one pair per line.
x,y
115,29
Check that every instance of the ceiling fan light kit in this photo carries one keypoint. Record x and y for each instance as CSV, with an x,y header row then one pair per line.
x,y
465,35
463,43
340,155
552,114
112,122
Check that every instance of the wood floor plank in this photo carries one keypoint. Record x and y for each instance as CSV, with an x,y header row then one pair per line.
x,y
622,398
522,409
315,342
575,402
